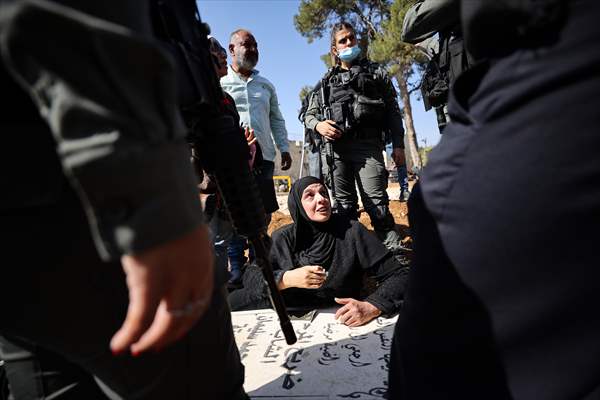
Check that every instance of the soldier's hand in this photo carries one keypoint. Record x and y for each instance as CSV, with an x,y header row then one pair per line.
x,y
170,287
398,157
328,129
286,160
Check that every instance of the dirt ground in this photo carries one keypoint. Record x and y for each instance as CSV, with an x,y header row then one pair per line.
x,y
399,211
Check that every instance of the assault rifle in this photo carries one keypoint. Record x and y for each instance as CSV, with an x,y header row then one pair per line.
x,y
329,155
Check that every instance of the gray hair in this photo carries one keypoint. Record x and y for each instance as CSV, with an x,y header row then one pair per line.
x,y
235,33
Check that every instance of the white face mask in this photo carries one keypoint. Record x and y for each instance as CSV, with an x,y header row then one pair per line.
x,y
349,54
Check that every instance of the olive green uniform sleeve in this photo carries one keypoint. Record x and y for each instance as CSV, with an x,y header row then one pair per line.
x,y
313,113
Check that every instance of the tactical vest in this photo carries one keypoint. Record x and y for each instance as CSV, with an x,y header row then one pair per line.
x,y
356,99
444,67
454,59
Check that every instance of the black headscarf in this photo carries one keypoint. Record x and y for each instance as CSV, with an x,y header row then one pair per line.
x,y
342,247
314,241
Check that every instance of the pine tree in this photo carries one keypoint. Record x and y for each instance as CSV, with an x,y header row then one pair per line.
x,y
403,60
306,89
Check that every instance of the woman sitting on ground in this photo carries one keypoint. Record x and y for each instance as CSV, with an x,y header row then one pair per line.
x,y
321,259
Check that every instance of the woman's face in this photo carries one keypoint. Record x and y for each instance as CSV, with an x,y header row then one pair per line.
x,y
344,39
220,57
221,68
315,202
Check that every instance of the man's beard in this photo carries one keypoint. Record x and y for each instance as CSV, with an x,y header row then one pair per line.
x,y
247,62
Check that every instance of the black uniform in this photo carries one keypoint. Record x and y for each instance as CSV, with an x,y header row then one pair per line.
x,y
118,162
442,18
363,103
502,297
430,17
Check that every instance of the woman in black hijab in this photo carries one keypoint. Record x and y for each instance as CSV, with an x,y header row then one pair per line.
x,y
321,259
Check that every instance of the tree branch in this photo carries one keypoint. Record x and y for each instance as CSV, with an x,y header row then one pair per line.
x,y
369,25
414,88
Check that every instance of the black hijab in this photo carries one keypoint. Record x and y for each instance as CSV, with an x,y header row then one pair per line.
x,y
340,246
314,242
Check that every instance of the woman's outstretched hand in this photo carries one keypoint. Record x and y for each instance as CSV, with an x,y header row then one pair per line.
x,y
355,313
307,277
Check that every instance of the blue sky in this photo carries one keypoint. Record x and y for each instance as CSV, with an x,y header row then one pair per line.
x,y
286,58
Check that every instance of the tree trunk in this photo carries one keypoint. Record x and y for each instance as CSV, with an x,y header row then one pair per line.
x,y
412,150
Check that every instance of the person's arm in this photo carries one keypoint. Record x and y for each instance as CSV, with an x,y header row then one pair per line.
x,y
378,262
121,144
426,18
117,127
288,275
313,120
313,115
305,277
391,278
278,129
386,300
372,256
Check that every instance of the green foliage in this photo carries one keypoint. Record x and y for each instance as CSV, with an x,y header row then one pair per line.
x,y
378,24
306,89
424,154
326,58
387,47
316,17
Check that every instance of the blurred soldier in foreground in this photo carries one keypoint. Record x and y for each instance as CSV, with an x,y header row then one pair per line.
x,y
108,188
502,297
